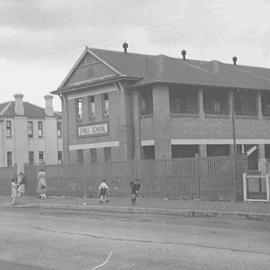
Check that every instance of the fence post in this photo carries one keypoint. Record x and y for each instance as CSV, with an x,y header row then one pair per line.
x,y
135,169
109,170
165,195
267,188
197,170
245,186
63,180
85,180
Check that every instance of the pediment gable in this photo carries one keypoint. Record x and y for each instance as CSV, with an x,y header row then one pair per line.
x,y
88,68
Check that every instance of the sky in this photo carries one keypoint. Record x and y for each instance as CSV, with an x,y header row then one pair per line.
x,y
40,40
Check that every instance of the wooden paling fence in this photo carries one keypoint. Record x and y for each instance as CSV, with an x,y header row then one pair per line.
x,y
6,174
209,178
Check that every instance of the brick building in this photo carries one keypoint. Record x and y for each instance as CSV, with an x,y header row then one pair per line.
x,y
29,134
122,106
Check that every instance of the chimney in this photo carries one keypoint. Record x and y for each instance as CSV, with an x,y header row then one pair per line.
x,y
184,54
234,60
19,109
125,46
48,105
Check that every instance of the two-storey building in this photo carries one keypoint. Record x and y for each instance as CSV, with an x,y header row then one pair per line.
x,y
122,106
29,134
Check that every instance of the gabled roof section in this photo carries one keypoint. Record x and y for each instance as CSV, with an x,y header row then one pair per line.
x,y
30,110
149,69
95,64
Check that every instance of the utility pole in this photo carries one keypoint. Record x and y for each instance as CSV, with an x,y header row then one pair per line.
x,y
234,139
233,124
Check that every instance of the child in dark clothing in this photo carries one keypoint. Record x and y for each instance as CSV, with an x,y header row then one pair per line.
x,y
135,186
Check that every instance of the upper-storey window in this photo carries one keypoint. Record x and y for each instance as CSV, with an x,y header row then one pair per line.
x,y
59,129
245,102
92,107
105,105
40,129
216,101
41,157
9,159
59,156
8,129
183,100
31,157
30,129
79,110
265,97
146,104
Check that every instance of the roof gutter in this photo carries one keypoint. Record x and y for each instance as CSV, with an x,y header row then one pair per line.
x,y
69,90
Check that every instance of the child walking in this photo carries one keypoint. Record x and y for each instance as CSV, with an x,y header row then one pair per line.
x,y
21,184
42,184
135,186
14,190
102,192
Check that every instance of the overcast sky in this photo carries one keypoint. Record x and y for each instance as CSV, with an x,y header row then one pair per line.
x,y
40,40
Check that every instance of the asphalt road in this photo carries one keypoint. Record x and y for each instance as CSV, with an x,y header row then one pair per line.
x,y
56,239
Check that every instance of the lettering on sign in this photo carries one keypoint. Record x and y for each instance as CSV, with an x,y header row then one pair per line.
x,y
92,130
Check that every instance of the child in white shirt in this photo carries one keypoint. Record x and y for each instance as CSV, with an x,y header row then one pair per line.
x,y
102,192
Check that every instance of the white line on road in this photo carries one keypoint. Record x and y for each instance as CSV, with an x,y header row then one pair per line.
x,y
101,265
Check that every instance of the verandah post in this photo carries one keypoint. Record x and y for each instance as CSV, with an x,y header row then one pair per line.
x,y
197,169
165,195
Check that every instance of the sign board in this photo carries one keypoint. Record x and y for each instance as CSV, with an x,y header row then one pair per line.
x,y
93,130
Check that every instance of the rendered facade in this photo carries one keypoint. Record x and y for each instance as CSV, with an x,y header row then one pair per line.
x,y
29,134
123,106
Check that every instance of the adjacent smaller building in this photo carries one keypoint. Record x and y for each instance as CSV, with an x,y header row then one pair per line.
x,y
29,134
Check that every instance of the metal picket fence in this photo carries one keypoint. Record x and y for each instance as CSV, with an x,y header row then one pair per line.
x,y
209,178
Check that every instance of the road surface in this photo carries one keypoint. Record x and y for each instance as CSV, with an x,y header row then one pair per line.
x,y
57,239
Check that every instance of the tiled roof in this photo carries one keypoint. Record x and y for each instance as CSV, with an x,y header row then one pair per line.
x,y
3,107
30,110
161,68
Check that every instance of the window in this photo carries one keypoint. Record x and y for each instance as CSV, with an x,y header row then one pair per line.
x,y
107,154
80,158
265,97
41,157
59,129
183,100
218,150
60,156
31,158
184,151
148,152
9,159
40,129
8,129
217,107
79,110
30,129
93,154
106,105
245,103
216,101
92,107
146,102
267,151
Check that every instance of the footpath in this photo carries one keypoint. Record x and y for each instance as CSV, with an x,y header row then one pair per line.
x,y
190,208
